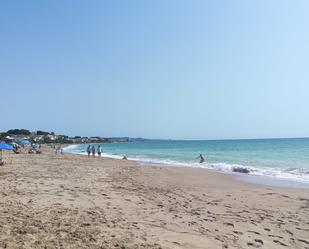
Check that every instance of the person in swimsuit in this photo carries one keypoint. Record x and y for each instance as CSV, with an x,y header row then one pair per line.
x,y
99,151
88,150
202,159
93,151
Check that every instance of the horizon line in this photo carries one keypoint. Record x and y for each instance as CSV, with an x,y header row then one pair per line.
x,y
182,139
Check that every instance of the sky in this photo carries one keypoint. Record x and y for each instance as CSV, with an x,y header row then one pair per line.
x,y
169,69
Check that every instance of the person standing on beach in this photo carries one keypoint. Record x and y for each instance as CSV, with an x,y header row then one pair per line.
x,y
201,158
89,150
57,149
99,151
93,151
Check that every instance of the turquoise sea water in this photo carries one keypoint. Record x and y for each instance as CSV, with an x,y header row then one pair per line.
x,y
277,158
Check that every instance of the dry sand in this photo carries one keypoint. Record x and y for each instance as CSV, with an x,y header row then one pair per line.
x,y
72,201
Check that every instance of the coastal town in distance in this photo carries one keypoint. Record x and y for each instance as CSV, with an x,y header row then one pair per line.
x,y
43,137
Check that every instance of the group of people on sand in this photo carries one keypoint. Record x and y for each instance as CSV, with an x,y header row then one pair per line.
x,y
92,150
34,149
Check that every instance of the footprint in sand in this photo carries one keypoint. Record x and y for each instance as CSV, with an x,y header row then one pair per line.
x,y
304,241
250,231
275,236
229,224
256,243
279,242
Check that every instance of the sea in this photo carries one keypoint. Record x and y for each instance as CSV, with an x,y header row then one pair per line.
x,y
281,159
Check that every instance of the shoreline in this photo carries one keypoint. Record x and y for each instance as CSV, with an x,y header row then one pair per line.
x,y
72,201
250,178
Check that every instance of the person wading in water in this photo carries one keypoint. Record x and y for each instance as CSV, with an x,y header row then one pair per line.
x,y
202,159
89,150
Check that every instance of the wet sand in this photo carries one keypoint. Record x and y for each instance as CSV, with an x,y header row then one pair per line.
x,y
72,201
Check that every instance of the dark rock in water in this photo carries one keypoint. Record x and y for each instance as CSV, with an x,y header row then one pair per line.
x,y
241,170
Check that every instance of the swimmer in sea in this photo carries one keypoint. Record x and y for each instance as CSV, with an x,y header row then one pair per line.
x,y
201,158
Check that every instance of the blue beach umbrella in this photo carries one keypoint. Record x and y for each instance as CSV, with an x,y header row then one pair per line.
x,y
24,142
4,146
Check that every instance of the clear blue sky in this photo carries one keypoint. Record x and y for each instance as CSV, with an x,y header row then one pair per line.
x,y
158,69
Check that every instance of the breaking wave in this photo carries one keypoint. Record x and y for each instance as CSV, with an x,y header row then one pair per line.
x,y
294,174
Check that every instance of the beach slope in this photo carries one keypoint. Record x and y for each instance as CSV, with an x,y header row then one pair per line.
x,y
72,201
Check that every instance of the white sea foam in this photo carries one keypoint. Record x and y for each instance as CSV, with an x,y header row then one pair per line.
x,y
70,148
294,174
284,174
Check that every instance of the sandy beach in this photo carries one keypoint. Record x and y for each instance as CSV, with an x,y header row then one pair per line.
x,y
72,201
